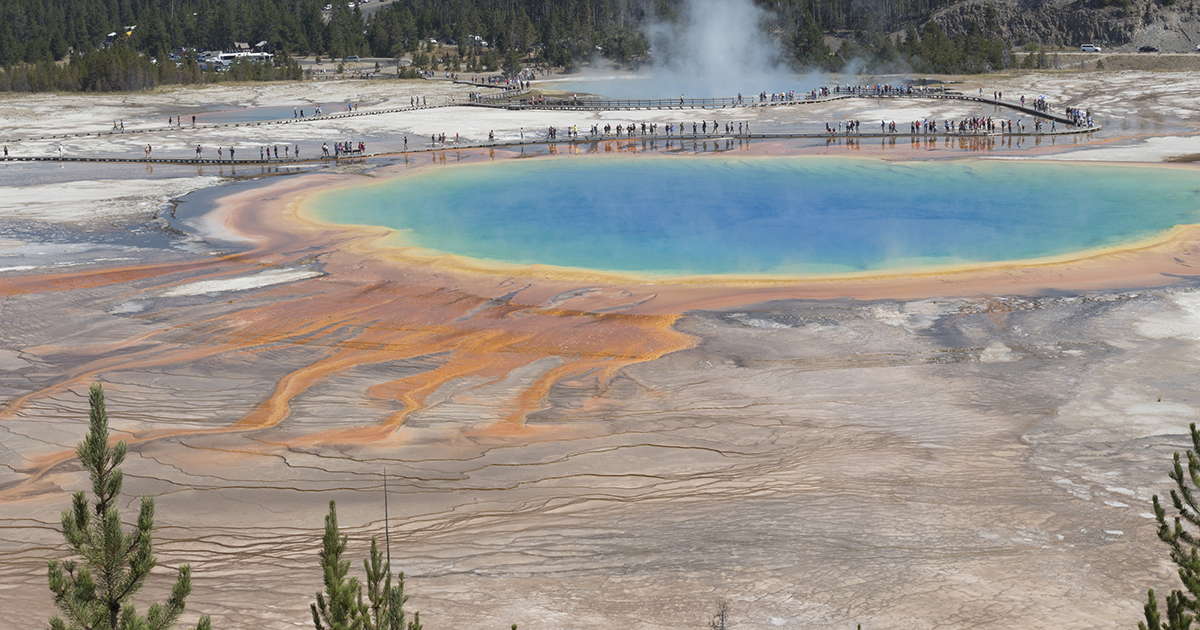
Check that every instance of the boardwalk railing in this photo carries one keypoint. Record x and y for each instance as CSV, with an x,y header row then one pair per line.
x,y
501,96
756,100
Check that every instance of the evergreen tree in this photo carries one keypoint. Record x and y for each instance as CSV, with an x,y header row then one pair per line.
x,y
1182,606
340,607
96,592
386,603
809,44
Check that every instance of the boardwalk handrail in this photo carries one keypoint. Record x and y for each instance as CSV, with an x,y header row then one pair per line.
x,y
586,139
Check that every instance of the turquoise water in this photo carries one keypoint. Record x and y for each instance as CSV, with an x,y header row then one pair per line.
x,y
787,215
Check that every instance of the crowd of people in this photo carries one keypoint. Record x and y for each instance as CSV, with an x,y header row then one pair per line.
x,y
267,153
971,125
1079,117
342,148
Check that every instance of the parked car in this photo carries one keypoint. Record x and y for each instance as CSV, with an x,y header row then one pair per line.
x,y
1089,48
352,58
1147,49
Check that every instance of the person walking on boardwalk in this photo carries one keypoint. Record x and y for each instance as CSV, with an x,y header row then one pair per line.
x,y
6,150
296,152
193,120
199,152
230,154
220,153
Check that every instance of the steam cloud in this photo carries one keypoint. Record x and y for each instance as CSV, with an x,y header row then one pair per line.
x,y
718,48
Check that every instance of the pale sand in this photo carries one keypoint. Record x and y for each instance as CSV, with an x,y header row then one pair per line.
x,y
969,448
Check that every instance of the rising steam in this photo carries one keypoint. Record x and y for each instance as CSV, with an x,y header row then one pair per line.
x,y
716,48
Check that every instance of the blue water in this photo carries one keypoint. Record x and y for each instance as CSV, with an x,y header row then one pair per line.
x,y
786,215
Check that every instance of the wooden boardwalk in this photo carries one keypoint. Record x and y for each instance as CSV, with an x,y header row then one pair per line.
x,y
685,104
505,100
683,140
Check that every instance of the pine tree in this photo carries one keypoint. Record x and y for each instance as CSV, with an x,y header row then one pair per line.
x,y
340,607
720,620
385,602
1184,541
96,592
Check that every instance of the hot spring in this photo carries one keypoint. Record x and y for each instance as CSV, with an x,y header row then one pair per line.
x,y
706,215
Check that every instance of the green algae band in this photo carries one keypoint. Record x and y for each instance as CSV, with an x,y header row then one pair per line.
x,y
793,215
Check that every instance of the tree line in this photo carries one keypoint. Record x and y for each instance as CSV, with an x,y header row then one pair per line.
x,y
37,35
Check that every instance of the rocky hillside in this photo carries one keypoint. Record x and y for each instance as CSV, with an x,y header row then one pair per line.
x,y
1174,28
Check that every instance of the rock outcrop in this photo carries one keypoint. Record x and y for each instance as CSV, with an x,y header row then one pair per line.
x,y
1174,28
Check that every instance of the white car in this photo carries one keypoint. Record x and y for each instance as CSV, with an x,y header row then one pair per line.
x,y
1089,48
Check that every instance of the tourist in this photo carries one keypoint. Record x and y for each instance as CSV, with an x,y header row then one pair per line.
x,y
405,143
6,150
296,152
199,152
193,120
220,154
230,154
260,154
